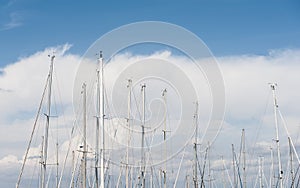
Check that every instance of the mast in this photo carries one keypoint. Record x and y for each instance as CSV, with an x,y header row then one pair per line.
x,y
97,124
57,178
187,181
119,177
165,136
102,118
45,142
291,163
244,158
151,178
160,178
273,87
195,178
223,172
43,138
73,169
84,152
261,184
209,169
33,130
143,139
203,169
128,127
272,175
233,165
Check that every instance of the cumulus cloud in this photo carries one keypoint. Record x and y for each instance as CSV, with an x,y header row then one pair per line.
x,y
25,81
249,99
246,77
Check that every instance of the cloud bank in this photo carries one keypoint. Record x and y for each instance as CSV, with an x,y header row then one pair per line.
x,y
246,77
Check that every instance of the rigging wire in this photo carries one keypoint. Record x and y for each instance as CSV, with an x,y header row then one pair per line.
x,y
288,134
33,172
73,129
180,164
260,124
32,133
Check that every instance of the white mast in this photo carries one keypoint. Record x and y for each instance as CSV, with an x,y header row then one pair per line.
x,y
84,152
244,159
272,175
151,178
143,181
233,165
160,178
273,87
97,125
261,183
45,142
195,178
128,127
42,162
187,181
57,178
73,169
165,136
291,163
102,119
223,173
209,169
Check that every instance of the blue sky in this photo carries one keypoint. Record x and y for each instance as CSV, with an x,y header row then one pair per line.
x,y
239,32
228,27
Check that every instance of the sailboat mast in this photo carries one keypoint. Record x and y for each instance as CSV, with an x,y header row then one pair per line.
x,y
195,147
223,172
165,136
272,175
84,152
45,142
102,118
151,178
233,165
128,127
73,169
97,126
261,184
57,178
273,87
244,159
291,163
209,168
143,138
41,162
187,181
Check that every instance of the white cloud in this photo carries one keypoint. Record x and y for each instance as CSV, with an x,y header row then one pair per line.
x,y
247,92
8,160
25,80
